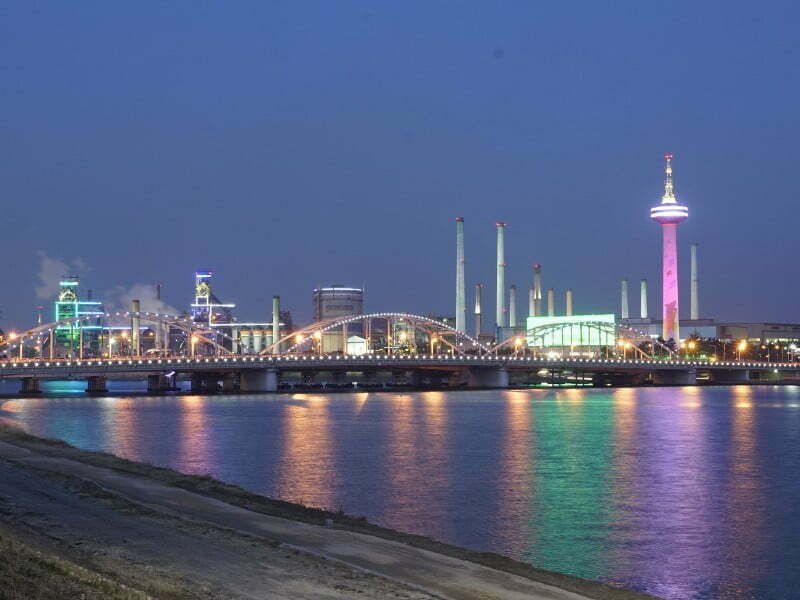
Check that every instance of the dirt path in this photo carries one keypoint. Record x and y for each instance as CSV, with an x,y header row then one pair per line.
x,y
133,526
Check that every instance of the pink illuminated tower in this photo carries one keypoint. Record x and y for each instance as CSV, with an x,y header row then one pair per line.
x,y
668,214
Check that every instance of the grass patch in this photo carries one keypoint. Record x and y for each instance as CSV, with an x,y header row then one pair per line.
x,y
27,574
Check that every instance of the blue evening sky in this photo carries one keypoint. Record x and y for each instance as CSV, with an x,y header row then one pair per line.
x,y
290,144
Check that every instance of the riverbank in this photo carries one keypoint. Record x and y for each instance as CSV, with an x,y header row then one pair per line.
x,y
103,527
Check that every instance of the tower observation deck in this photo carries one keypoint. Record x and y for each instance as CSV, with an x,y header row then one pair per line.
x,y
668,214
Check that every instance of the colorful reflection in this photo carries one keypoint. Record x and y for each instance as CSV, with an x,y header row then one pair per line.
x,y
306,469
572,477
687,493
193,456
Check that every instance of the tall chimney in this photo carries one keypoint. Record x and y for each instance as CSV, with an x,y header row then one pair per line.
x,y
512,306
569,303
551,302
501,276
461,293
695,300
89,294
136,322
158,291
624,299
276,324
643,300
478,288
537,290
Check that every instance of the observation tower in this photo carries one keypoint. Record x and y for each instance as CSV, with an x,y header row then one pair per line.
x,y
668,214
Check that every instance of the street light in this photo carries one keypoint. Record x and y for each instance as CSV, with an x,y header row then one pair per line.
x,y
318,338
741,347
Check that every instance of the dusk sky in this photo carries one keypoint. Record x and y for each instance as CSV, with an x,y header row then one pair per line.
x,y
290,144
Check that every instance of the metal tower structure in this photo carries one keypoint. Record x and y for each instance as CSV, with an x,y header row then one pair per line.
x,y
668,214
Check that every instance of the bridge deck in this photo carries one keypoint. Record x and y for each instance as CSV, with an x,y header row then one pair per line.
x,y
53,369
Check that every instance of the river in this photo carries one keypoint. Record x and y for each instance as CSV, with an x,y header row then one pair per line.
x,y
681,492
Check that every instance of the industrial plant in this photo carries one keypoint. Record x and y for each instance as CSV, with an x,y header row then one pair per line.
x,y
577,346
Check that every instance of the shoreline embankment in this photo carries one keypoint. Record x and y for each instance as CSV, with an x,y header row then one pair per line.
x,y
94,525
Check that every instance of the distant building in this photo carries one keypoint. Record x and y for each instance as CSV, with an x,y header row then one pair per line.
x,y
332,303
207,308
337,301
571,331
90,313
762,333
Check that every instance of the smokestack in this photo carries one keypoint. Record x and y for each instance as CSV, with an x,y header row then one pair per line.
x,y
537,290
500,317
551,302
461,293
39,310
512,306
569,302
624,299
478,288
695,301
136,321
89,294
158,291
276,323
643,299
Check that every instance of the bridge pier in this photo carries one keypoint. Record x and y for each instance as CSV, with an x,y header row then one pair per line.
x,y
96,385
488,377
675,377
158,383
729,376
204,383
259,381
30,385
229,383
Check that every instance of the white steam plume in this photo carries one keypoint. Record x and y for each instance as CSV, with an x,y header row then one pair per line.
x,y
51,270
119,299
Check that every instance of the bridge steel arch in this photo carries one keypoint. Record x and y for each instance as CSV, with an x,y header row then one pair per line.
x,y
185,324
427,324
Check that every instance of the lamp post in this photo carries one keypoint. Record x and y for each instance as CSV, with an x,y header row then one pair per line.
x,y
741,347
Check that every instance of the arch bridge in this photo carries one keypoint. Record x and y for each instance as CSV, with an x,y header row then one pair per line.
x,y
383,332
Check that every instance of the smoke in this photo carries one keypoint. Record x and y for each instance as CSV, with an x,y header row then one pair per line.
x,y
51,270
119,299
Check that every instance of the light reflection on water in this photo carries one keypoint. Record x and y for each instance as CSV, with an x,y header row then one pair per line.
x,y
683,492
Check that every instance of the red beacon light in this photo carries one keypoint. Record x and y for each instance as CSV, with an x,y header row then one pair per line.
x,y
668,156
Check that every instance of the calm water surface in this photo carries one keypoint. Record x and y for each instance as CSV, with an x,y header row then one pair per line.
x,y
681,492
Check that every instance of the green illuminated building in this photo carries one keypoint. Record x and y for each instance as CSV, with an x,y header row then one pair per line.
x,y
87,315
573,330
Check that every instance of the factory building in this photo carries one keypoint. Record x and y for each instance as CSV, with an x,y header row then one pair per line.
x,y
239,337
335,302
68,305
572,331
